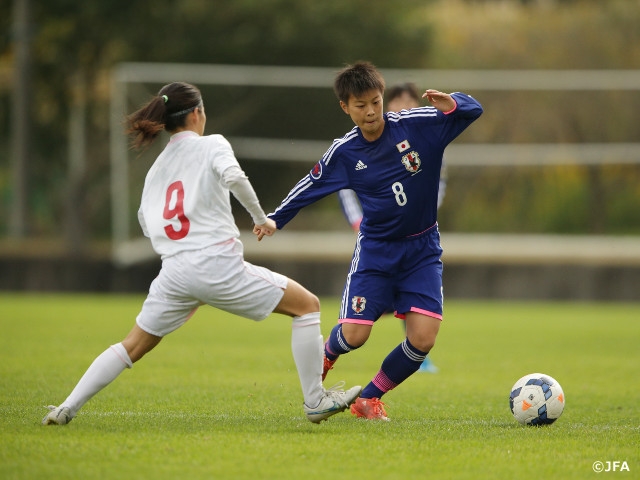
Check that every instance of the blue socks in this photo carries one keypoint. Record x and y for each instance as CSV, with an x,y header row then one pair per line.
x,y
336,345
400,364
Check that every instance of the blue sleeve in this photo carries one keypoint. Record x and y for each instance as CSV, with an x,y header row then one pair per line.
x,y
467,110
326,177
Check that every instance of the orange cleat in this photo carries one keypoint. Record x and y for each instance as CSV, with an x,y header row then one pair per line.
x,y
326,366
369,408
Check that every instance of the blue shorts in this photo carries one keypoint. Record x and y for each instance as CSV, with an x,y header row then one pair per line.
x,y
404,275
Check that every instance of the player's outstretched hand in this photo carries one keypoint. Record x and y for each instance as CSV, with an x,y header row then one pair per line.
x,y
442,101
268,228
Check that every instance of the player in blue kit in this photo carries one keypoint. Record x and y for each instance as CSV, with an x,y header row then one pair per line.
x,y
402,96
392,161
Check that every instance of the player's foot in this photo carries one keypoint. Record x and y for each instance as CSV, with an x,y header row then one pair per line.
x,y
57,416
369,408
334,400
427,366
326,366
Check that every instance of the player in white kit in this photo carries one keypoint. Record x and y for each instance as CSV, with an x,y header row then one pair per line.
x,y
186,213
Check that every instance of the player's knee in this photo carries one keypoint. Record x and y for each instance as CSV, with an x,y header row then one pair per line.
x,y
298,300
314,303
356,335
308,303
424,343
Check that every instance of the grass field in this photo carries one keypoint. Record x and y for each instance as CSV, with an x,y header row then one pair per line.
x,y
220,397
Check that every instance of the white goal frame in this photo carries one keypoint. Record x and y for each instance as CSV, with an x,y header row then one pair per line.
x,y
126,250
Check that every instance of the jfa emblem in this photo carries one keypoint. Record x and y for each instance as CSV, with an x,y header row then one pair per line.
x,y
358,304
411,161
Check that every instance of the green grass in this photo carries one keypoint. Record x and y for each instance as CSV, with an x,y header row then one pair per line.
x,y
220,397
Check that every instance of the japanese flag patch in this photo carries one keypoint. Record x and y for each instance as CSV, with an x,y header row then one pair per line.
x,y
403,145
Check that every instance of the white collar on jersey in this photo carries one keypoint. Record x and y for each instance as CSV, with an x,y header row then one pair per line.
x,y
176,137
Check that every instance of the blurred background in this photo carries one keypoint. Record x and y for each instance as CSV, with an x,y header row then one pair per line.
x,y
543,192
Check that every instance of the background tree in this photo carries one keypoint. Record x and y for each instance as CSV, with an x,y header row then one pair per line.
x,y
76,44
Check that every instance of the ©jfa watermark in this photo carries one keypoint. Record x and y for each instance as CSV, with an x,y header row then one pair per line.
x,y
611,466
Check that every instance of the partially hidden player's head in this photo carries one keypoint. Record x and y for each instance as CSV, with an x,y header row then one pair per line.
x,y
403,96
171,110
360,90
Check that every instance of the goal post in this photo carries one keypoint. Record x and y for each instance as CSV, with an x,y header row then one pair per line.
x,y
127,249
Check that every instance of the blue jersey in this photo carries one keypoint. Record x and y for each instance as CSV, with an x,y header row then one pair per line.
x,y
395,177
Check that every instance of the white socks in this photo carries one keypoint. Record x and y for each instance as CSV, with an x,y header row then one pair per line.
x,y
104,370
306,345
307,348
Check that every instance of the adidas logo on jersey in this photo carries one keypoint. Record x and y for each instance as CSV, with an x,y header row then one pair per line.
x,y
360,165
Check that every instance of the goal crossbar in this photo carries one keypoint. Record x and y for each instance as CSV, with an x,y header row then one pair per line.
x,y
321,77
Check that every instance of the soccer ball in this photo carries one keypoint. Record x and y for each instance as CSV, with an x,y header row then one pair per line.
x,y
536,399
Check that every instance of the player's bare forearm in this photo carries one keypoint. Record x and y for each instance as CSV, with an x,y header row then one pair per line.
x,y
442,101
268,228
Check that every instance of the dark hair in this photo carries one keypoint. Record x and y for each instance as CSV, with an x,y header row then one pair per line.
x,y
357,79
401,88
165,111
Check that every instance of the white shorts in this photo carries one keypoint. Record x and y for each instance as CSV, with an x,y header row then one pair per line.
x,y
216,276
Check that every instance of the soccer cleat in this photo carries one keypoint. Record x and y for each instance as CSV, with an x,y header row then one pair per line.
x,y
326,366
369,408
334,400
57,416
427,366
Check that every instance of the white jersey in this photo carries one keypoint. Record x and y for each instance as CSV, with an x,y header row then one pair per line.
x,y
185,204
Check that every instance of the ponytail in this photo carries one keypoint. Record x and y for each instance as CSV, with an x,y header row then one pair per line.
x,y
165,111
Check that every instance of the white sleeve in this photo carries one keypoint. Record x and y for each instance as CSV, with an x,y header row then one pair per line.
x,y
442,187
350,206
238,184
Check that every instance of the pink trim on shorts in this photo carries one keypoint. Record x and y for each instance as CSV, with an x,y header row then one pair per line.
x,y
192,313
402,316
358,321
423,231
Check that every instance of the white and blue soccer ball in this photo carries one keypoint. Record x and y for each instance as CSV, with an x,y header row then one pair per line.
x,y
536,399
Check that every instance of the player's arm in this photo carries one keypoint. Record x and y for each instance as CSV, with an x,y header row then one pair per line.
x,y
325,178
238,184
456,111
241,188
442,101
459,103
351,207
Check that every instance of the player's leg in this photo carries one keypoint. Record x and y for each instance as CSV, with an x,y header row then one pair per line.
x,y
104,370
255,292
306,338
419,295
426,365
402,362
157,318
306,346
422,330
138,343
366,296
343,338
